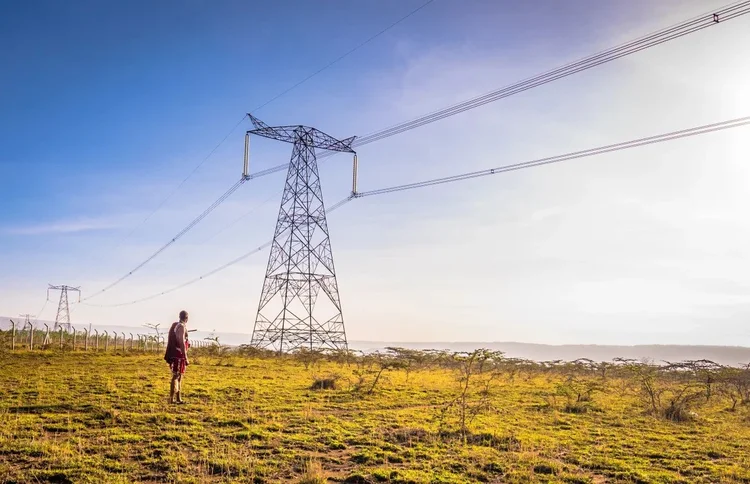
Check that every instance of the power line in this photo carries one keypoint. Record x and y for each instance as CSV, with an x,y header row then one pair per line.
x,y
193,172
650,40
678,30
212,272
39,313
344,55
177,188
637,45
684,133
658,37
351,51
243,216
709,128
174,239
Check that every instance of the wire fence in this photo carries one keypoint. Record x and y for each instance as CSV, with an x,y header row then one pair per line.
x,y
28,338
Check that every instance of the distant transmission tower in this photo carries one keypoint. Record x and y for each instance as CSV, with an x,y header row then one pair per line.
x,y
62,320
27,319
291,314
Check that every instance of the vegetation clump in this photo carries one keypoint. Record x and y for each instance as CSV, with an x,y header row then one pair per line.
x,y
395,416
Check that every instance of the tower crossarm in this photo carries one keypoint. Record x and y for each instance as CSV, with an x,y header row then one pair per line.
x,y
311,137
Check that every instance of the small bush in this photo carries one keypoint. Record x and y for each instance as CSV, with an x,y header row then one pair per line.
x,y
679,411
493,468
408,435
324,384
544,469
356,479
576,408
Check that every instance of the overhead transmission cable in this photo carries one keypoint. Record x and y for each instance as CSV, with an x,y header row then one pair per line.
x,y
709,128
296,85
359,46
338,59
700,22
243,216
174,239
177,188
39,313
661,138
211,272
658,37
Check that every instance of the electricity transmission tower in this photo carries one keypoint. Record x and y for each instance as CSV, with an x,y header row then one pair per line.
x,y
27,319
291,314
62,320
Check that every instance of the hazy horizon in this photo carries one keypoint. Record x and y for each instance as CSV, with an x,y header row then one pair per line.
x,y
726,355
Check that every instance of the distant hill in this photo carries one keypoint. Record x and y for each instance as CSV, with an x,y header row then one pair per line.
x,y
725,355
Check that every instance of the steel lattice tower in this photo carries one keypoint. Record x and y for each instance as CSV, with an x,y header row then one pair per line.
x,y
292,312
62,320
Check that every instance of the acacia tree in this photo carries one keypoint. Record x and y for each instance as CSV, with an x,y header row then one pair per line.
x,y
476,372
704,371
669,391
409,360
382,363
645,375
309,357
512,367
734,383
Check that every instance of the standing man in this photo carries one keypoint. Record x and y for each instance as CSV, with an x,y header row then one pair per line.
x,y
176,355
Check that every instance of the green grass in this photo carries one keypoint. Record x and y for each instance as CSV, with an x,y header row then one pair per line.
x,y
105,418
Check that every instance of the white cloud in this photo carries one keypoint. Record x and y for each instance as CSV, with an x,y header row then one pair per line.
x,y
63,227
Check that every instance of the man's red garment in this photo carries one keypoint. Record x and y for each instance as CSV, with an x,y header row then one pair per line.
x,y
174,355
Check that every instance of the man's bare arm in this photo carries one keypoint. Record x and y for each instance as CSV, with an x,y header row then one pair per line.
x,y
181,340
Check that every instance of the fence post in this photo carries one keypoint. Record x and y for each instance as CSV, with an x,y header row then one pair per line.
x,y
31,336
96,333
74,337
106,341
131,341
46,335
86,342
123,342
62,338
13,335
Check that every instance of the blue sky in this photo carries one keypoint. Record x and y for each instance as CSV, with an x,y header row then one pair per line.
x,y
107,107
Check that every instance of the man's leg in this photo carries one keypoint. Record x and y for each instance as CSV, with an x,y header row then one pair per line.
x,y
179,387
173,387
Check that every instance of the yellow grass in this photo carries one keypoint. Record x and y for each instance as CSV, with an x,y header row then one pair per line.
x,y
105,418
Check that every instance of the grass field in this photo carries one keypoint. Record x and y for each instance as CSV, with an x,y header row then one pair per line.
x,y
104,418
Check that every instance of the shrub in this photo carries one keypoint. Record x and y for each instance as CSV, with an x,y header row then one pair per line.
x,y
328,383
